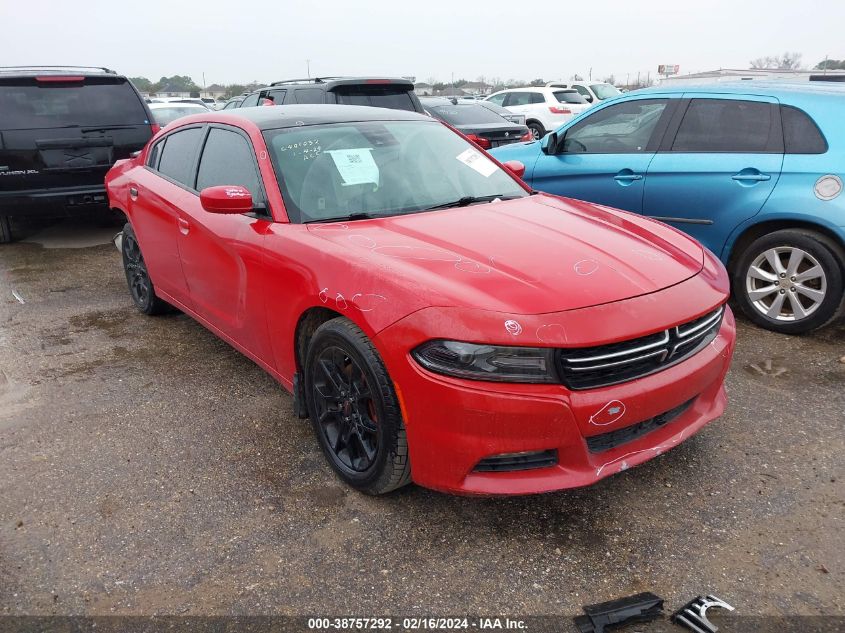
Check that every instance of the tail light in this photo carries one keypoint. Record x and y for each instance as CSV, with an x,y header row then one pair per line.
x,y
155,127
528,136
59,78
557,110
482,142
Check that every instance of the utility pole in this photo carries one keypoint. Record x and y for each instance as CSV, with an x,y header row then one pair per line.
x,y
203,83
308,67
590,74
825,65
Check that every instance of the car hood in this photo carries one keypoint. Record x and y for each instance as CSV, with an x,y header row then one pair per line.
x,y
532,255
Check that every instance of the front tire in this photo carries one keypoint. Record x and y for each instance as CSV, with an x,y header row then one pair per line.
x,y
789,281
354,409
141,287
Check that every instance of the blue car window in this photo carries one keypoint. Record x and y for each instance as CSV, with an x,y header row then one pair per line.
x,y
726,125
623,128
801,135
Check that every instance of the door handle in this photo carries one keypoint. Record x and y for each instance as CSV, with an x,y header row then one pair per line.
x,y
627,177
133,193
751,177
184,226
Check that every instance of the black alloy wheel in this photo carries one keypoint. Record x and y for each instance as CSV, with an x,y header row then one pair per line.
x,y
354,410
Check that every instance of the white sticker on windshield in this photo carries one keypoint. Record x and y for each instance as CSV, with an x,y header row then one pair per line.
x,y
478,162
356,166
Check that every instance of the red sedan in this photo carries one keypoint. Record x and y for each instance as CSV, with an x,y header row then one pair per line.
x,y
437,320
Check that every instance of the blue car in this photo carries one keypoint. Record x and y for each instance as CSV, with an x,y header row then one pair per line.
x,y
752,170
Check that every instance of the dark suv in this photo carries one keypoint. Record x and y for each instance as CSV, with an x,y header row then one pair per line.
x,y
61,129
397,94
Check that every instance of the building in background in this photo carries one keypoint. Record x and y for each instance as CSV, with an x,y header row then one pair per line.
x,y
752,74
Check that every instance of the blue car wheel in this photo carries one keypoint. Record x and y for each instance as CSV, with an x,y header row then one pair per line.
x,y
790,281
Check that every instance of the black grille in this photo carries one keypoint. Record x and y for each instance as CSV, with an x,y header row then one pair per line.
x,y
612,439
517,461
590,367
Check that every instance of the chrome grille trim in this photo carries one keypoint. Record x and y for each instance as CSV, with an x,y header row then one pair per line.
x,y
600,366
642,348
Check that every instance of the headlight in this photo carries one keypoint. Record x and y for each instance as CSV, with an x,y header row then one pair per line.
x,y
487,362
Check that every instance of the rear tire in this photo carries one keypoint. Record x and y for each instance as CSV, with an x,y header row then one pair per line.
x,y
5,229
790,281
354,409
141,287
537,130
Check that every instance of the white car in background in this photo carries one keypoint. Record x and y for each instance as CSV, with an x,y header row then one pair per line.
x,y
168,111
545,108
594,92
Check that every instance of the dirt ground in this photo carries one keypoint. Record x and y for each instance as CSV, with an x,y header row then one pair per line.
x,y
148,468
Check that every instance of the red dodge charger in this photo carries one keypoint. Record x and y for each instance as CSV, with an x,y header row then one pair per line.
x,y
437,320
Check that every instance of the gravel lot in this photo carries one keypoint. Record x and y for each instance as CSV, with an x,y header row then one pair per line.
x,y
148,468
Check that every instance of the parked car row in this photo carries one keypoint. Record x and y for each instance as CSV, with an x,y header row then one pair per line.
x,y
431,290
755,177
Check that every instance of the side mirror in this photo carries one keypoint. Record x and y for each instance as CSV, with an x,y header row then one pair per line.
x,y
515,167
589,98
549,143
226,199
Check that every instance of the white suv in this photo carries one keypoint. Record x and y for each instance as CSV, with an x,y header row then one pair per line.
x,y
545,109
593,91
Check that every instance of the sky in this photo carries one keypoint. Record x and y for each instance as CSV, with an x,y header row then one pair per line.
x,y
238,41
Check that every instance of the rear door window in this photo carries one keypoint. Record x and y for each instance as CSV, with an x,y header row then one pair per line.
x,y
228,159
179,154
393,97
94,101
727,125
310,95
801,135
518,99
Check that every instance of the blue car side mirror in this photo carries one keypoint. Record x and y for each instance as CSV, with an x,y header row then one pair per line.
x,y
548,144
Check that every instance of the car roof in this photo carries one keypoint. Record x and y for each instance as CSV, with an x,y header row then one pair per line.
x,y
761,88
40,71
538,89
274,117
329,82
158,105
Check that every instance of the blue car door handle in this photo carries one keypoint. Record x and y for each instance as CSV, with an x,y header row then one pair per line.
x,y
627,176
758,177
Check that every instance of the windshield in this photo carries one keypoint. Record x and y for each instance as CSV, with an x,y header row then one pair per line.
x,y
163,116
605,91
379,168
27,104
569,96
466,114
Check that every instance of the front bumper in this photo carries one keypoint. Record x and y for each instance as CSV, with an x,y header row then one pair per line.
x,y
454,424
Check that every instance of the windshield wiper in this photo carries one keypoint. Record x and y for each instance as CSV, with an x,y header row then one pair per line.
x,y
103,128
468,200
341,218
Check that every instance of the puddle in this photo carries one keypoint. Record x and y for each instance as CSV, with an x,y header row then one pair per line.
x,y
74,233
